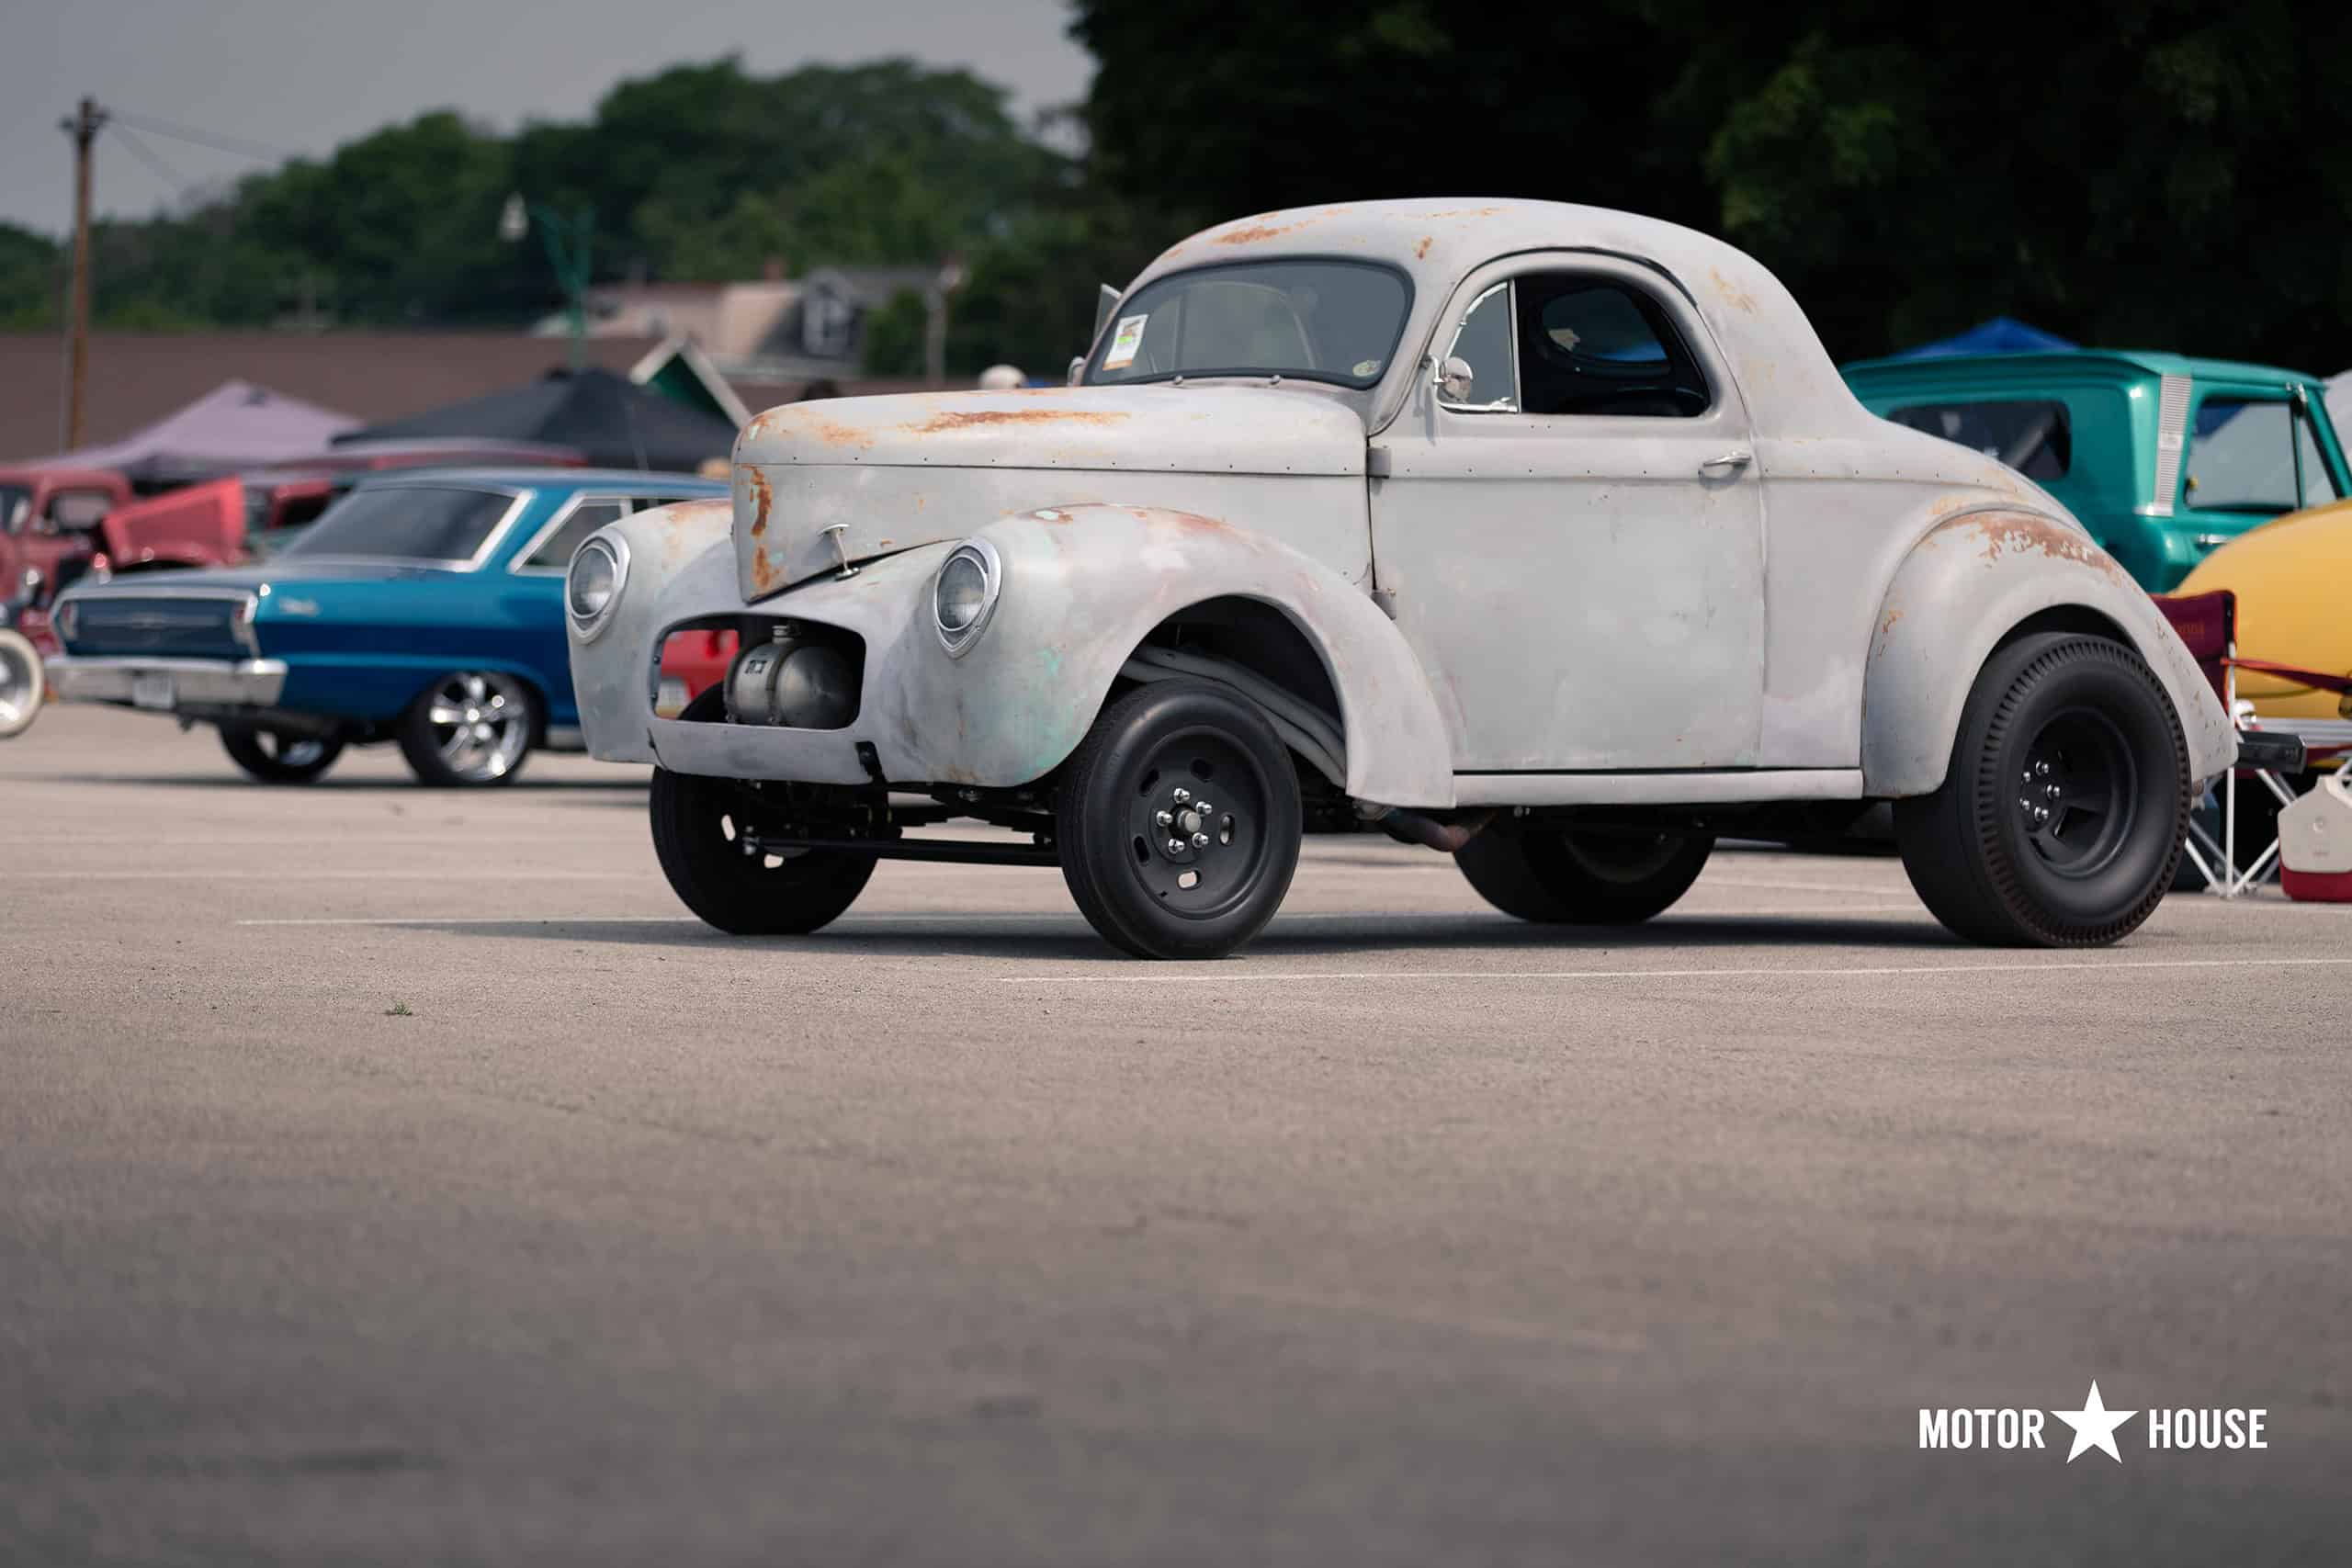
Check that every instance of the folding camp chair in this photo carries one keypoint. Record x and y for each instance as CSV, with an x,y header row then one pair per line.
x,y
2269,750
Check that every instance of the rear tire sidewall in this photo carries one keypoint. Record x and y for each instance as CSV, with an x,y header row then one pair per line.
x,y
1096,833
1967,847
1559,876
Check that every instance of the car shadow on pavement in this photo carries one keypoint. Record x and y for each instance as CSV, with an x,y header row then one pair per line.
x,y
633,789
1056,937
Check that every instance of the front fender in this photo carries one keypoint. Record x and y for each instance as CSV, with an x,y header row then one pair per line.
x,y
1966,584
1083,586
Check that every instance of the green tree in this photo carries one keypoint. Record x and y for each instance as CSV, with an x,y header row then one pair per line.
x,y
2157,174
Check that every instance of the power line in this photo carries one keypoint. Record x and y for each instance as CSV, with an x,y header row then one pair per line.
x,y
156,163
259,152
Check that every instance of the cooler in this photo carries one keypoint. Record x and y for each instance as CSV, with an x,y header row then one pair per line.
x,y
2315,842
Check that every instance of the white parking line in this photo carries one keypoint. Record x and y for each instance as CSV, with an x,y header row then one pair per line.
x,y
952,917
361,875
1227,972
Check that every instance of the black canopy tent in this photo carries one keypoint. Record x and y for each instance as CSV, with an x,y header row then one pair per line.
x,y
616,423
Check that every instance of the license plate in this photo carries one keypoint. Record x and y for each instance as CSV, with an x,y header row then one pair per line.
x,y
152,692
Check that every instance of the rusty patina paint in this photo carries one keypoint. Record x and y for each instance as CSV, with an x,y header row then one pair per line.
x,y
982,419
762,572
762,499
2000,534
1421,250
1253,234
1731,293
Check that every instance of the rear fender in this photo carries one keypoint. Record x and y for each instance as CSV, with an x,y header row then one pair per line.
x,y
1970,580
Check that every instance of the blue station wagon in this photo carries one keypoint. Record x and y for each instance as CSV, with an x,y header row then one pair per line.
x,y
425,609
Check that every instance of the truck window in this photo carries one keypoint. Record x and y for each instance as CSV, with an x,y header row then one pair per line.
x,y
79,508
2242,457
2033,436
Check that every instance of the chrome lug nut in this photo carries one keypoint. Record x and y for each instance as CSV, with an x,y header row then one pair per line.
x,y
1200,841
1203,807
1165,818
1181,795
1175,846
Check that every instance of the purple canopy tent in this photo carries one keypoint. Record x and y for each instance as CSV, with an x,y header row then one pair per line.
x,y
235,425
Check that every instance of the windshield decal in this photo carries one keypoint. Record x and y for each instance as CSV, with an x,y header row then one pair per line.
x,y
1125,341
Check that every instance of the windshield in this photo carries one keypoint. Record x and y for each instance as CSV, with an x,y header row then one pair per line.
x,y
419,522
1319,321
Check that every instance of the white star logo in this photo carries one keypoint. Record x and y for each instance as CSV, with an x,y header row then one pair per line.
x,y
2094,1425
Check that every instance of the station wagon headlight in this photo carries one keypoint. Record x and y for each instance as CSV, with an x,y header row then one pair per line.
x,y
962,596
593,586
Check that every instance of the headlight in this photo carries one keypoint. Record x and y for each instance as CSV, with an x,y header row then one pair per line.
x,y
66,621
593,586
964,595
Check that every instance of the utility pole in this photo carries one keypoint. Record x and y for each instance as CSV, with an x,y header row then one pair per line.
x,y
83,128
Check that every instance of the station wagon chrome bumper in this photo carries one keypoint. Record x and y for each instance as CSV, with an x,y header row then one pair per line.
x,y
167,684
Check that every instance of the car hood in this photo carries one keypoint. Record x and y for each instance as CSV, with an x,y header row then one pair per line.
x,y
819,484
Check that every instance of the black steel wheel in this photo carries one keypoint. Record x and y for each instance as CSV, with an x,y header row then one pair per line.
x,y
1179,822
2060,821
1582,877
277,756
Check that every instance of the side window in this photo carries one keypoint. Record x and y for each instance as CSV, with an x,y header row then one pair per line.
x,y
2241,456
79,508
555,551
1593,345
1483,343
2033,436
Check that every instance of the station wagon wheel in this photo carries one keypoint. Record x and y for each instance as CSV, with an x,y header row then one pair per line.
x,y
706,837
2060,819
21,683
1179,821
1589,876
278,756
469,727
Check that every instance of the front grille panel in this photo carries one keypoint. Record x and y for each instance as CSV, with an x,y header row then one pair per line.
x,y
163,628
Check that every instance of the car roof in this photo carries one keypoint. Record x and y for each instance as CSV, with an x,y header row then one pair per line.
x,y
2120,364
1791,386
635,481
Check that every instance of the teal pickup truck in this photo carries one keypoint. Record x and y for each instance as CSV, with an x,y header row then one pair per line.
x,y
2165,459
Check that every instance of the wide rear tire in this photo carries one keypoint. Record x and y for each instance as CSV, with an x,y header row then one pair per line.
x,y
1555,877
2060,821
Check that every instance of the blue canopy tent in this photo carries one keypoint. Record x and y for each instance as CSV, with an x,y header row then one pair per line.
x,y
1999,335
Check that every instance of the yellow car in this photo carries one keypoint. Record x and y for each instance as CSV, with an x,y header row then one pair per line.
x,y
2294,580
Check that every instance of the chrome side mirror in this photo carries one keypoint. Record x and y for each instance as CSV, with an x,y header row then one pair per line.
x,y
1454,379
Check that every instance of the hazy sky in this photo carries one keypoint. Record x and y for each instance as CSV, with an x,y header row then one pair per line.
x,y
302,75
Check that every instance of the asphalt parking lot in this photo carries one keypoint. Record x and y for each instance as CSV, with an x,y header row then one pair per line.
x,y
394,1176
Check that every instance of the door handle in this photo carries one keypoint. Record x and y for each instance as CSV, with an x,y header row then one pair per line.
x,y
1730,462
